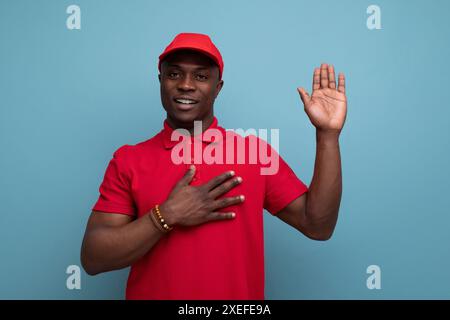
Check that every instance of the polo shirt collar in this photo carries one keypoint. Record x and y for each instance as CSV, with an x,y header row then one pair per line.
x,y
167,133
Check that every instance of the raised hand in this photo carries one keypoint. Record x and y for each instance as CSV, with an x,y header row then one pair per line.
x,y
192,205
327,106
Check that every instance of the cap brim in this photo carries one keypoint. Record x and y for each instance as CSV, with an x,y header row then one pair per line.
x,y
204,52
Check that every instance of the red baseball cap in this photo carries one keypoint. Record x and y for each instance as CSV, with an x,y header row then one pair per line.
x,y
194,41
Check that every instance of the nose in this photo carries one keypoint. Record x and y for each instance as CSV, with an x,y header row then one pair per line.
x,y
186,84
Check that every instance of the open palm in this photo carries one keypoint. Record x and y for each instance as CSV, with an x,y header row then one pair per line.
x,y
327,106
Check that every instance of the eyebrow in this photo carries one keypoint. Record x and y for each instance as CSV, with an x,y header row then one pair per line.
x,y
176,65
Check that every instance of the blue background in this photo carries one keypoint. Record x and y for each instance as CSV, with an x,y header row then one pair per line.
x,y
69,98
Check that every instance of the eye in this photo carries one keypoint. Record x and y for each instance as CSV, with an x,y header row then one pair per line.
x,y
202,77
173,75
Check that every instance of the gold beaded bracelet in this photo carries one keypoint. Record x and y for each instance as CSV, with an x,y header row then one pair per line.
x,y
155,221
161,220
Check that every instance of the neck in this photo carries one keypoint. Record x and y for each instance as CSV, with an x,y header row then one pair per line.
x,y
206,122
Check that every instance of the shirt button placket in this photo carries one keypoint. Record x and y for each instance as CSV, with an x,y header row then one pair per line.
x,y
196,178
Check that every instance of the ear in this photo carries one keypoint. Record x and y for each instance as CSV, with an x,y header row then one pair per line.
x,y
159,78
218,88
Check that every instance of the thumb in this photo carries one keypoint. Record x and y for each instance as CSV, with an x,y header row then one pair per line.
x,y
187,178
304,96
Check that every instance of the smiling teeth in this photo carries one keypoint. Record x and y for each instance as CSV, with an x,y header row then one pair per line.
x,y
185,101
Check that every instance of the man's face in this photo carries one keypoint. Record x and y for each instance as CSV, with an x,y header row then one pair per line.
x,y
189,85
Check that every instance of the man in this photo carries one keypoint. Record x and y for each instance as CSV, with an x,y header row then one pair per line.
x,y
195,230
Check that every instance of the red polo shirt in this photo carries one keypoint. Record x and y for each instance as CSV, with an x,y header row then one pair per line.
x,y
215,260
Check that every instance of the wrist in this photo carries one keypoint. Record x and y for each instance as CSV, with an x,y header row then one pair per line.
x,y
168,215
327,137
154,220
159,220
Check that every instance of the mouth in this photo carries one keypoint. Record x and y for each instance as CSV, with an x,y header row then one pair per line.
x,y
185,103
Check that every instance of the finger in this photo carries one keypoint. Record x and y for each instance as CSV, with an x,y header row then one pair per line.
x,y
187,178
304,96
324,76
341,83
225,187
331,77
316,79
214,182
220,216
229,201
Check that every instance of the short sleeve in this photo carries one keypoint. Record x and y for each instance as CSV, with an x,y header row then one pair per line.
x,y
282,187
115,190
